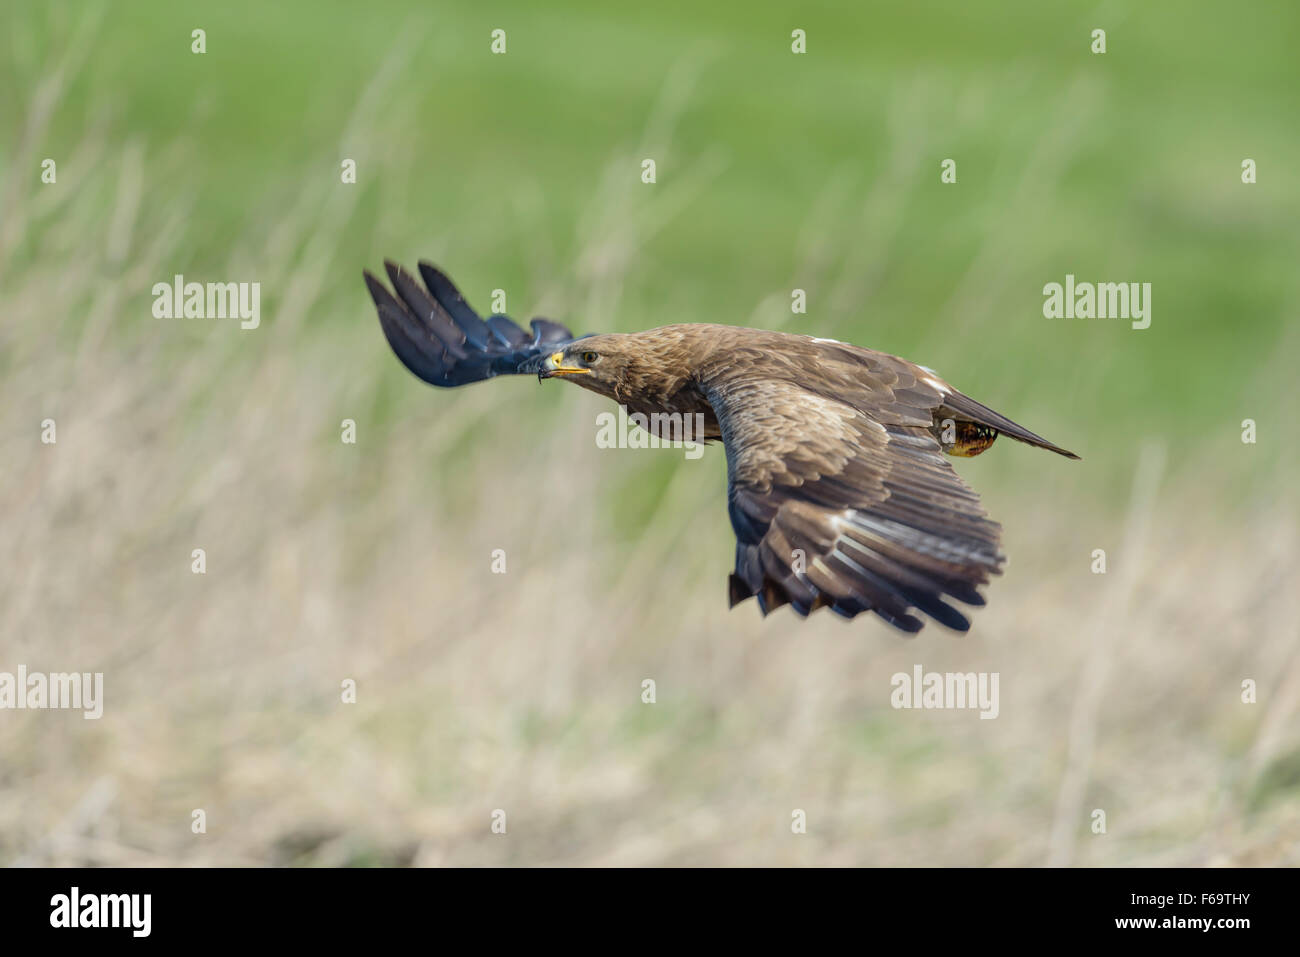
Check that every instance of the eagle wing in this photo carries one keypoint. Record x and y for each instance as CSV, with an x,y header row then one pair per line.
x,y
843,498
441,339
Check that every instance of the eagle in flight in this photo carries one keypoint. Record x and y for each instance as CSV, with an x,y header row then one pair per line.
x,y
839,491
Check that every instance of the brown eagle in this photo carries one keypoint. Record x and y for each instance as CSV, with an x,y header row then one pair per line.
x,y
838,489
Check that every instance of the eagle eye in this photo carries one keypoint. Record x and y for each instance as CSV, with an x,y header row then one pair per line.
x,y
589,357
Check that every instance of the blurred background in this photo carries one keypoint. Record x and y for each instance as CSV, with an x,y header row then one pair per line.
x,y
521,691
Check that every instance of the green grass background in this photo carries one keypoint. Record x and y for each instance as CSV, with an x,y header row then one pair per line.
x,y
1122,166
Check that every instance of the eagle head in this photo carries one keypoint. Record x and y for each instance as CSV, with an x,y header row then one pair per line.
x,y
603,364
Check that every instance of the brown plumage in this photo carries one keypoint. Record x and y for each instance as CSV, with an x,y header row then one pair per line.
x,y
839,492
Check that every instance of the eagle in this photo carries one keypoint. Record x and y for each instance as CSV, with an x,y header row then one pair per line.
x,y
840,492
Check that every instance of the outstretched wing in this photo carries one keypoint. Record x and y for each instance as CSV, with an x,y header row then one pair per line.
x,y
848,502
442,340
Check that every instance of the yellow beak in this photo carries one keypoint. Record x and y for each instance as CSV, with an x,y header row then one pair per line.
x,y
554,367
